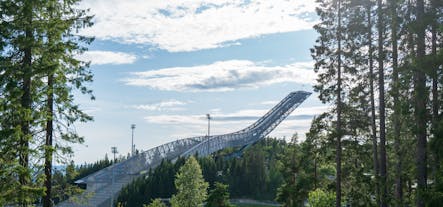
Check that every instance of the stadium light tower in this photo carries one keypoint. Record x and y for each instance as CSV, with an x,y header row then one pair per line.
x,y
209,127
209,123
114,151
132,142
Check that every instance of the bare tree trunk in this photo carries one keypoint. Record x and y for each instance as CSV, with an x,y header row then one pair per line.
x,y
373,118
435,101
339,127
420,107
396,118
381,89
47,202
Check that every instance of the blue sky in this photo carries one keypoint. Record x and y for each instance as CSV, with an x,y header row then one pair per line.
x,y
164,64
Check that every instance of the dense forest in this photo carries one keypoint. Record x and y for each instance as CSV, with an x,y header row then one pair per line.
x,y
379,67
254,175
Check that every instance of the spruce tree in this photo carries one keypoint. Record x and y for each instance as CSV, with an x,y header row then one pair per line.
x,y
63,74
327,54
381,99
396,105
371,75
420,95
21,42
38,75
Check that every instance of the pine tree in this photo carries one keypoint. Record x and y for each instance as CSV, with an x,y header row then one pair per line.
x,y
371,75
328,62
59,64
381,99
38,75
420,106
396,105
20,37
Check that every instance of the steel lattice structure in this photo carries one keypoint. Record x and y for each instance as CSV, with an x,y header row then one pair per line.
x,y
101,188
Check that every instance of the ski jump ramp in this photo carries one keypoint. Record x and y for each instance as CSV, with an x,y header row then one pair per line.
x,y
104,185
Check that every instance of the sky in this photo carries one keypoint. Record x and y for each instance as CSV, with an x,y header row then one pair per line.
x,y
164,64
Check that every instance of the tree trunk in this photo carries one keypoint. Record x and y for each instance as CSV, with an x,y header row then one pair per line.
x,y
396,118
48,144
47,201
420,107
435,101
24,176
373,124
381,87
339,127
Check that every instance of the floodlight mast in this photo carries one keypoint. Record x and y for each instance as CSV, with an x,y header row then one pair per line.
x,y
132,140
208,116
114,151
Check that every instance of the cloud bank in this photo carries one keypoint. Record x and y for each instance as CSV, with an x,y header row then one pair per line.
x,y
170,105
189,25
98,57
222,76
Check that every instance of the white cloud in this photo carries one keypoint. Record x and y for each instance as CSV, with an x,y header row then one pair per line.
x,y
170,105
268,102
311,110
189,25
98,57
222,76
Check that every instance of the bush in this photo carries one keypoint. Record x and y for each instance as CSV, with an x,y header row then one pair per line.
x,y
320,198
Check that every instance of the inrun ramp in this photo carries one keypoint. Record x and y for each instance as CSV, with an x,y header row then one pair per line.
x,y
105,184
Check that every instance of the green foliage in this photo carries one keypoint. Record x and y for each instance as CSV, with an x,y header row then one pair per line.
x,y
87,169
190,185
63,188
297,170
39,40
404,60
155,203
235,171
158,183
320,198
219,196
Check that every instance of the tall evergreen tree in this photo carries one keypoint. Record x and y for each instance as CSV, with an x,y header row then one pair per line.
x,y
21,35
420,94
371,76
59,64
38,75
381,99
327,54
396,105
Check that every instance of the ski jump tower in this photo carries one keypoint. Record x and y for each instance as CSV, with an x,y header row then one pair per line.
x,y
101,188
